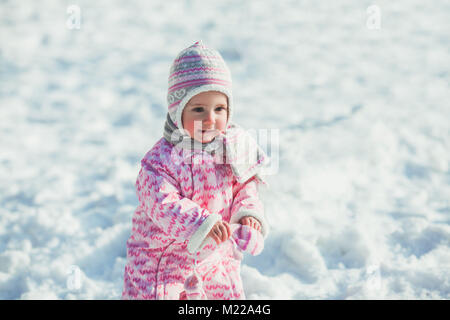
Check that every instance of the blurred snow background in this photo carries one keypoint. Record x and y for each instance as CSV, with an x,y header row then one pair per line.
x,y
359,208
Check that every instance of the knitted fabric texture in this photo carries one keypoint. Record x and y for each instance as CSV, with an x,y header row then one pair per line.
x,y
197,69
244,239
179,203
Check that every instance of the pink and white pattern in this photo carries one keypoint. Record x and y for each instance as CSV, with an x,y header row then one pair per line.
x,y
179,202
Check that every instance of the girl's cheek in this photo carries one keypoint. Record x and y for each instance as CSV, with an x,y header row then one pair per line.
x,y
190,129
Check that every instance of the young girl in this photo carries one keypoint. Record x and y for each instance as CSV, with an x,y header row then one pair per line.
x,y
197,184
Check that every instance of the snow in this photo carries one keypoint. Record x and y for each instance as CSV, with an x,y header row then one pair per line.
x,y
359,206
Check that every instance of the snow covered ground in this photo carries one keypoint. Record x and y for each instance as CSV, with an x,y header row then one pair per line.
x,y
359,208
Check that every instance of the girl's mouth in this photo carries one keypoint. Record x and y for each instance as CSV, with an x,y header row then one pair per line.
x,y
210,133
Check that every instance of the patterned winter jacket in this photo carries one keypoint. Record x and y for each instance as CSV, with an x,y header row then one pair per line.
x,y
180,199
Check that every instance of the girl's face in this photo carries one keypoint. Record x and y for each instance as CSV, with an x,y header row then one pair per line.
x,y
205,115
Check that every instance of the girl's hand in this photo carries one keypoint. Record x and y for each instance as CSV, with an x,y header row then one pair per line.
x,y
221,232
252,222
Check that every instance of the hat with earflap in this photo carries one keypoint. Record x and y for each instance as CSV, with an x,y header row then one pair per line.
x,y
197,69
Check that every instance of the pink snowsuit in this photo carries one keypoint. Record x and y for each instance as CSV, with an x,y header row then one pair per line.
x,y
179,202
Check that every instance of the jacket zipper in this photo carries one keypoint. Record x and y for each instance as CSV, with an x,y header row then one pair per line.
x,y
157,268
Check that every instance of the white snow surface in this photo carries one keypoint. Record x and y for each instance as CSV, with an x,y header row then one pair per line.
x,y
359,206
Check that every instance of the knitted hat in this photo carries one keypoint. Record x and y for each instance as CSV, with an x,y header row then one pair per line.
x,y
197,69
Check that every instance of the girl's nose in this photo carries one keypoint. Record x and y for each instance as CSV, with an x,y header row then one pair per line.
x,y
210,118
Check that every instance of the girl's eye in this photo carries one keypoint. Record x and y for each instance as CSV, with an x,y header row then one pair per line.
x,y
220,108
197,109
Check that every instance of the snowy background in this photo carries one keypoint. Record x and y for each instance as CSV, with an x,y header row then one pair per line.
x,y
359,207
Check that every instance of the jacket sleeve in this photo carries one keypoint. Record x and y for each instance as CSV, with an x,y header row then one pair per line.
x,y
179,217
247,203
